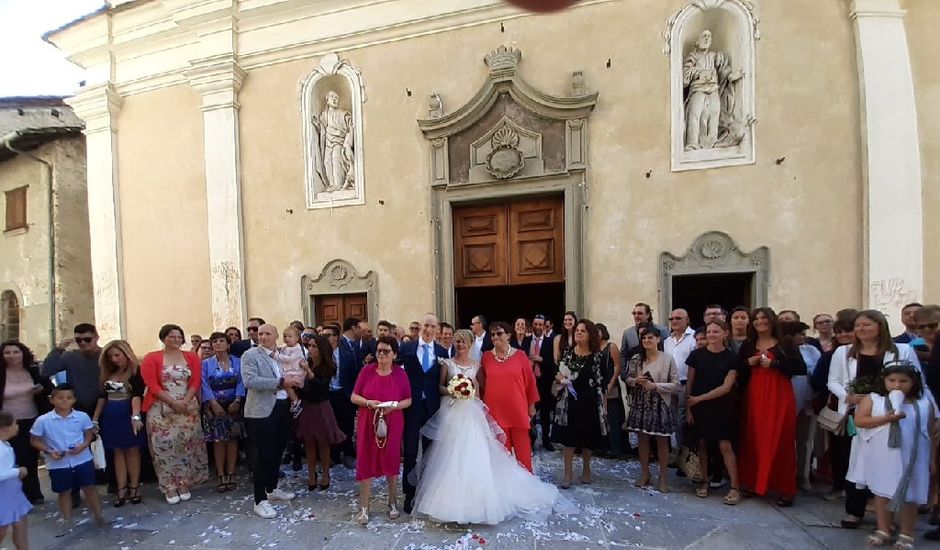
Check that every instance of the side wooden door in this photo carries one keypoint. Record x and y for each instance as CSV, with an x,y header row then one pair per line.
x,y
536,242
480,246
335,308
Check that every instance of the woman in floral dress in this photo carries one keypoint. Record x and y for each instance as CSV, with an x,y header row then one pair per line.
x,y
174,378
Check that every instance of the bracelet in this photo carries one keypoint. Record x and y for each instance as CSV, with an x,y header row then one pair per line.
x,y
135,418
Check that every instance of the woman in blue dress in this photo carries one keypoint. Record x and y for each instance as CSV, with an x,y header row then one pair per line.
x,y
118,417
222,395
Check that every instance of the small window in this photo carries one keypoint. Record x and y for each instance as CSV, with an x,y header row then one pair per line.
x,y
9,316
16,208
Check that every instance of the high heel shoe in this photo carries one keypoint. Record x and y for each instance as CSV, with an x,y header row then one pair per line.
x,y
230,483
121,497
221,487
135,495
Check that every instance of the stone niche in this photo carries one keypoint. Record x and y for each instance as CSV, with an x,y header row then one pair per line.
x,y
715,253
509,141
331,99
711,44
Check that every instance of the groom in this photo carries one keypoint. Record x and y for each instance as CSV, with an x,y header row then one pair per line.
x,y
419,358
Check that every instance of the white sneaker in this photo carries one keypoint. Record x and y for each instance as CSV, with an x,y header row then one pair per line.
x,y
264,510
172,498
186,496
278,494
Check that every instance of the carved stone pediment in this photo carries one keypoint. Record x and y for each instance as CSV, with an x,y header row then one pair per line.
x,y
339,277
715,253
508,129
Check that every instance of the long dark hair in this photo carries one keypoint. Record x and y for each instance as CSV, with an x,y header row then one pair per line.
x,y
327,367
750,345
29,363
567,337
908,369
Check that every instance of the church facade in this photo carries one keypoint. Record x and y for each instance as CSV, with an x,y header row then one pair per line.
x,y
321,159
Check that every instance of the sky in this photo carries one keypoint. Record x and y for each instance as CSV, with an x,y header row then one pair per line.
x,y
29,65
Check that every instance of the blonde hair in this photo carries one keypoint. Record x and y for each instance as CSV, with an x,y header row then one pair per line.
x,y
464,336
291,328
108,368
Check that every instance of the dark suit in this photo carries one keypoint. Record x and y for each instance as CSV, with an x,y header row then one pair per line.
x,y
350,363
240,347
425,400
547,369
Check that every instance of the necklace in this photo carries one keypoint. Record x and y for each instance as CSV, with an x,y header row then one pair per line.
x,y
505,357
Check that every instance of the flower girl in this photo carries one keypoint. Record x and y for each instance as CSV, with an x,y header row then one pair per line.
x,y
891,455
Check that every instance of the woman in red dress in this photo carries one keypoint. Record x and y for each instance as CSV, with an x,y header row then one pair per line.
x,y
507,384
382,382
767,459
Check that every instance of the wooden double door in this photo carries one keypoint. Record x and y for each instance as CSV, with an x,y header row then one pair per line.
x,y
518,243
336,308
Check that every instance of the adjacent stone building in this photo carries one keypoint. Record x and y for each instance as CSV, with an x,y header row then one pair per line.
x,y
322,159
45,277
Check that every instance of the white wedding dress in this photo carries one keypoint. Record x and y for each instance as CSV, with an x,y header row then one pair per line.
x,y
467,475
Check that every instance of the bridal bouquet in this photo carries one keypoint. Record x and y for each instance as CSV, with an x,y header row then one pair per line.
x,y
460,387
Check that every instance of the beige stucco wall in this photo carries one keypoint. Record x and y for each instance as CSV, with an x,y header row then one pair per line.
x,y
163,214
27,271
795,207
922,21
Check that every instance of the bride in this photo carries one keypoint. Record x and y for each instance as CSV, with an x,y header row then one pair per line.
x,y
467,475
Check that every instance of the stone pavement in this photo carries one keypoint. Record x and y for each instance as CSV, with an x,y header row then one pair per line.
x,y
613,514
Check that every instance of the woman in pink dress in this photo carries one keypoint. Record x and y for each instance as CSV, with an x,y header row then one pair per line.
x,y
508,387
386,384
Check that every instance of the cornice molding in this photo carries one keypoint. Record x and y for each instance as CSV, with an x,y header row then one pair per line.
x,y
98,106
218,79
886,9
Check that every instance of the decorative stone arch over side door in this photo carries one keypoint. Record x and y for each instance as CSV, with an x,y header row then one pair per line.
x,y
509,141
339,277
714,253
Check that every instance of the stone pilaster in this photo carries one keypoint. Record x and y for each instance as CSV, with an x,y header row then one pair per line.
x,y
98,106
218,79
893,203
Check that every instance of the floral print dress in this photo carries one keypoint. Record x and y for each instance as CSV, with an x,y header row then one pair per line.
x,y
176,439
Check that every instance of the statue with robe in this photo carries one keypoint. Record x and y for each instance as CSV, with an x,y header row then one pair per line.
x,y
712,116
333,159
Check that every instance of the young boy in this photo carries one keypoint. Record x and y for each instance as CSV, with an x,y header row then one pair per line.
x,y
64,435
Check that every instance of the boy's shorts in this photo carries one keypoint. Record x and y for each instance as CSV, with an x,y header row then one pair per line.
x,y
65,479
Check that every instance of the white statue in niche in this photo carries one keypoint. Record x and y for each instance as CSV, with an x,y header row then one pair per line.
x,y
712,116
334,167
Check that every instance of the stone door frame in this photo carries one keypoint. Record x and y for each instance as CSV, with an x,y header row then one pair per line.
x,y
445,199
715,253
339,276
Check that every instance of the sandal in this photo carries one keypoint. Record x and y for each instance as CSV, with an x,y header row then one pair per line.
x,y
904,542
230,484
393,512
135,495
733,497
222,486
643,482
879,538
363,517
785,502
121,497
702,491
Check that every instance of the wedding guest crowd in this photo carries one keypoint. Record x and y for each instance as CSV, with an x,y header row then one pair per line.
x,y
751,398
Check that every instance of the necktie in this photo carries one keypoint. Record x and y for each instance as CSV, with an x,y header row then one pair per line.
x,y
538,347
426,358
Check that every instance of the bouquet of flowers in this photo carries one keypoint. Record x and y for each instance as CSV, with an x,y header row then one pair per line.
x,y
864,385
461,387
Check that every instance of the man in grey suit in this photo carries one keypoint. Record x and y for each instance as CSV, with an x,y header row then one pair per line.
x,y
629,344
267,417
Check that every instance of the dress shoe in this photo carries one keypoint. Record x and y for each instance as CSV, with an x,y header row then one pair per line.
x,y
409,504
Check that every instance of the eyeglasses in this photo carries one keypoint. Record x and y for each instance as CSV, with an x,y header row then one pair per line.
x,y
638,313
84,339
496,333
252,329
383,351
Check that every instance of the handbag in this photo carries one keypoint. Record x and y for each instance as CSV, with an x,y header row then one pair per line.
x,y
381,429
97,454
830,419
690,464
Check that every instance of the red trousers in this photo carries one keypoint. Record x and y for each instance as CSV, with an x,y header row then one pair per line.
x,y
518,442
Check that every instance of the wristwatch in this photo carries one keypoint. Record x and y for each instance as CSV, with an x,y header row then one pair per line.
x,y
135,418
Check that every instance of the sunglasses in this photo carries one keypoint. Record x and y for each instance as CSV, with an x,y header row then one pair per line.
x,y
677,318
383,351
252,329
84,339
497,333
